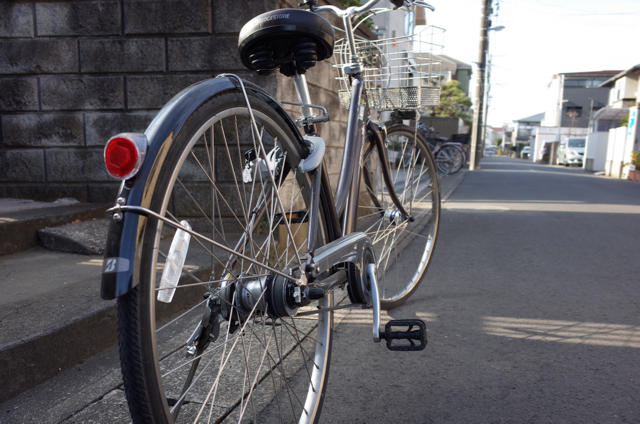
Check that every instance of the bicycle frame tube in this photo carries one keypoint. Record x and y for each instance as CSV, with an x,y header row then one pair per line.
x,y
352,149
348,182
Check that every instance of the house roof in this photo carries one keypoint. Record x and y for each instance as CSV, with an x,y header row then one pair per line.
x,y
533,118
459,64
612,80
615,113
578,74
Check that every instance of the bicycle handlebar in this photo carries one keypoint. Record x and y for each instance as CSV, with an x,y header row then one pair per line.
x,y
358,11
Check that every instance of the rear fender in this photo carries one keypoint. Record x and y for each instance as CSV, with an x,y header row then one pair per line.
x,y
125,237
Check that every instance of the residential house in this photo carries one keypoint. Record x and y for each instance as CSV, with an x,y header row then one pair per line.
x,y
609,144
493,136
572,98
525,129
455,70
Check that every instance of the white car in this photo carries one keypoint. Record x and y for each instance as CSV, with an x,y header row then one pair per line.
x,y
571,151
525,152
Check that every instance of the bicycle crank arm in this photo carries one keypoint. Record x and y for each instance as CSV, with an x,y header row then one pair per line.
x,y
375,295
417,339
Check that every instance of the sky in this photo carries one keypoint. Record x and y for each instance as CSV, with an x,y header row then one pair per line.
x,y
541,38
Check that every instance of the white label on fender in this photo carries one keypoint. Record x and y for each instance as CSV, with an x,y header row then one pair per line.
x,y
112,265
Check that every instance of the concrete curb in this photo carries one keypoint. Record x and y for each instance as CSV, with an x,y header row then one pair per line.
x,y
18,228
449,183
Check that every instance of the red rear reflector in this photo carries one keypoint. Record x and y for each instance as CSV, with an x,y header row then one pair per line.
x,y
123,155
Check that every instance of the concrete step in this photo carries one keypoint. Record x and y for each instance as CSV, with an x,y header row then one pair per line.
x,y
86,238
20,220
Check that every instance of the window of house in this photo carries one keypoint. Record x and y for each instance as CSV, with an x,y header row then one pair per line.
x,y
574,111
584,83
607,124
594,83
524,133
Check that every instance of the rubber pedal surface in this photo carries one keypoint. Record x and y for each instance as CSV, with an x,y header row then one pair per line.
x,y
417,338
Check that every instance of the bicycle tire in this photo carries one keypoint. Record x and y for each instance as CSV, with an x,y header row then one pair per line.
x,y
265,369
403,249
449,159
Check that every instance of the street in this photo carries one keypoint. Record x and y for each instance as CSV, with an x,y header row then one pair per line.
x,y
531,305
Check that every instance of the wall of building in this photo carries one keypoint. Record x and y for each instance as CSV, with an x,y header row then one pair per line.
x,y
618,150
73,74
446,127
625,88
595,152
622,141
587,99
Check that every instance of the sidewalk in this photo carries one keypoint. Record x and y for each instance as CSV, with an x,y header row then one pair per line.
x,y
53,319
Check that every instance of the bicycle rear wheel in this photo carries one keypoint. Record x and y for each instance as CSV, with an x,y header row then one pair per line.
x,y
403,248
450,159
263,367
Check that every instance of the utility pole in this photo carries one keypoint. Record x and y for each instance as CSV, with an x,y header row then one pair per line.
x,y
483,130
478,118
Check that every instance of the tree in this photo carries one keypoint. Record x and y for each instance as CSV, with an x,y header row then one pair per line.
x,y
624,122
453,103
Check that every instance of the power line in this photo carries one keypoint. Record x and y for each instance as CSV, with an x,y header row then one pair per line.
x,y
591,12
520,6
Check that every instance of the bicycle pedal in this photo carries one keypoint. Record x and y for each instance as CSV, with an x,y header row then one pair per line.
x,y
416,338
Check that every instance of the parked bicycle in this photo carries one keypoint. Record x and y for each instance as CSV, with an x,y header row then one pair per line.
x,y
449,156
228,251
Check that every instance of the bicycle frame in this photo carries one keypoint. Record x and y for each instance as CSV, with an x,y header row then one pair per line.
x,y
130,215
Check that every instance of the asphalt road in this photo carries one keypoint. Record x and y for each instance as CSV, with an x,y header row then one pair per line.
x,y
532,305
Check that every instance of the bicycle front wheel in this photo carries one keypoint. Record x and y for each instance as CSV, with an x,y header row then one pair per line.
x,y
403,247
262,366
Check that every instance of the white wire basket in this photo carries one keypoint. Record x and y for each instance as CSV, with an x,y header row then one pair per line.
x,y
401,73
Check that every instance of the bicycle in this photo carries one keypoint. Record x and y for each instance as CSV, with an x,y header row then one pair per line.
x,y
449,157
228,251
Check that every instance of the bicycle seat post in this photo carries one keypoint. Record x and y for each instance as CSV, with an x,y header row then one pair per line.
x,y
302,90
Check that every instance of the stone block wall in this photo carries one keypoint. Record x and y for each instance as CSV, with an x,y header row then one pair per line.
x,y
75,73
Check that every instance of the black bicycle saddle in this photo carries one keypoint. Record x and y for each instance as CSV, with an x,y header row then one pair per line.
x,y
291,40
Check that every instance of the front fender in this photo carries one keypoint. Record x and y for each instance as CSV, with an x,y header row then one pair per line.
x,y
125,237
